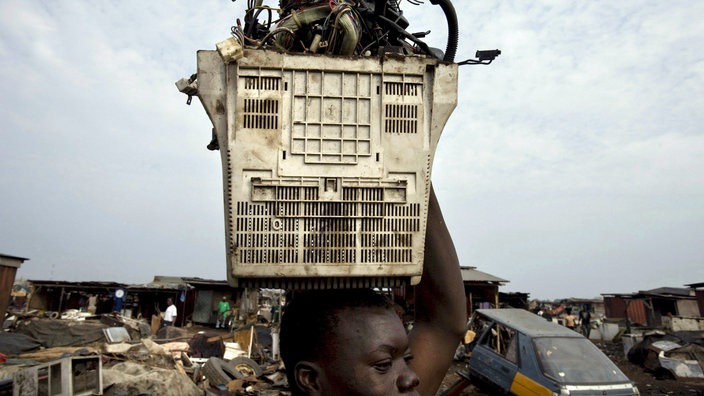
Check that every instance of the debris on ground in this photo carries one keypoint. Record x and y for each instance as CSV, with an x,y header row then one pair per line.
x,y
674,354
120,356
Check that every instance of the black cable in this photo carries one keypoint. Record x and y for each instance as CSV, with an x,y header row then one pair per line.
x,y
421,44
453,32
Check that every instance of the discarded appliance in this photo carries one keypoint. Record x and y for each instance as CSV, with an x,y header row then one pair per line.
x,y
116,334
327,125
74,375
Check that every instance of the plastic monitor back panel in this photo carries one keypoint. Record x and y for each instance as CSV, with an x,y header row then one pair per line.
x,y
326,164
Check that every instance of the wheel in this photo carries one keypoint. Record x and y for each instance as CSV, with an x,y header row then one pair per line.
x,y
218,372
246,366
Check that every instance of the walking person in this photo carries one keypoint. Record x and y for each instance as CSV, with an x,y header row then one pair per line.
x,y
570,319
585,320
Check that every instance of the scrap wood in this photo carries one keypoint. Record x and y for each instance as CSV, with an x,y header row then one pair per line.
x,y
50,354
235,384
243,338
156,323
250,383
179,367
219,338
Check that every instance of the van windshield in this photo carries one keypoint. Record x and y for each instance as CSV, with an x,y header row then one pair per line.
x,y
571,360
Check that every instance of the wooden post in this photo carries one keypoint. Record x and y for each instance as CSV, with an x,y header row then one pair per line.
x,y
61,301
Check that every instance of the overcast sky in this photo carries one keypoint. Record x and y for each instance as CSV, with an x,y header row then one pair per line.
x,y
572,166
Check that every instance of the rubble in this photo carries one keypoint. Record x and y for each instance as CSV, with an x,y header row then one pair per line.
x,y
131,378
670,354
120,356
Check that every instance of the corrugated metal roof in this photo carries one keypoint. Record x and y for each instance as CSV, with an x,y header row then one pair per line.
x,y
672,291
11,261
90,284
13,257
159,283
178,283
471,274
163,283
201,281
527,323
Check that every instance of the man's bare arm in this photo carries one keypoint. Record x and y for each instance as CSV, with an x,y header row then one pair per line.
x,y
440,305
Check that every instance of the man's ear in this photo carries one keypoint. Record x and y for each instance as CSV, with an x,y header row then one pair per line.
x,y
307,375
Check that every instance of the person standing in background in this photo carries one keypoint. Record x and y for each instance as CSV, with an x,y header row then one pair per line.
x,y
223,312
170,313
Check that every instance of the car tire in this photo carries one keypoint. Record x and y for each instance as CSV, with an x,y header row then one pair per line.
x,y
218,372
245,366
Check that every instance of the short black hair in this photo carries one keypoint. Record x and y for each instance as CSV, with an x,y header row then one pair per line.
x,y
311,317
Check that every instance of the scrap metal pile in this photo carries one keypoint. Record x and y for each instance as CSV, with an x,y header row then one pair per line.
x,y
339,27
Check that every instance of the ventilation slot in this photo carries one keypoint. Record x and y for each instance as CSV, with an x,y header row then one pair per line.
x,y
260,114
325,232
262,83
322,283
401,89
401,118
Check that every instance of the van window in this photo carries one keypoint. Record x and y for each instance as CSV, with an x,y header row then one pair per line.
x,y
502,340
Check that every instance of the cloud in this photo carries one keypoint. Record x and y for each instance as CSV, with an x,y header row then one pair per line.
x,y
571,164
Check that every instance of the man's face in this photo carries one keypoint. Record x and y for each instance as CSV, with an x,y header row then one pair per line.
x,y
368,355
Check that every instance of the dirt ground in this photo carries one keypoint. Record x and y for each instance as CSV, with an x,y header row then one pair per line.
x,y
647,382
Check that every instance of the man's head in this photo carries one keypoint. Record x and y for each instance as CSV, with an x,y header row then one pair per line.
x,y
169,301
345,342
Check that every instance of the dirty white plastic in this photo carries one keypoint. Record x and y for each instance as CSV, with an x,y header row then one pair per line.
x,y
230,50
326,164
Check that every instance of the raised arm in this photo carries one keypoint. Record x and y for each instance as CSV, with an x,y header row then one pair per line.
x,y
440,305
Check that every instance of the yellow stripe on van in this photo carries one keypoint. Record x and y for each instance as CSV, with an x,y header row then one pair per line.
x,y
524,386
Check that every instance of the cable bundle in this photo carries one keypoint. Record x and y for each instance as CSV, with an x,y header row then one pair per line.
x,y
333,27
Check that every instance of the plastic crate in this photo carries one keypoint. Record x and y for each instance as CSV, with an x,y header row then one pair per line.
x,y
73,375
326,164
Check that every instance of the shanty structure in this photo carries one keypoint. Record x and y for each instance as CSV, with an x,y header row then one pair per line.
x,y
8,270
195,298
480,289
58,296
649,307
514,300
698,289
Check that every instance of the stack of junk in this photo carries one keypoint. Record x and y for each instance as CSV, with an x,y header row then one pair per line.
x,y
327,116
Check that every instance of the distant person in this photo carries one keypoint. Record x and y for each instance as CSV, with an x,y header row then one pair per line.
x,y
223,312
92,303
570,320
585,321
352,342
169,314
